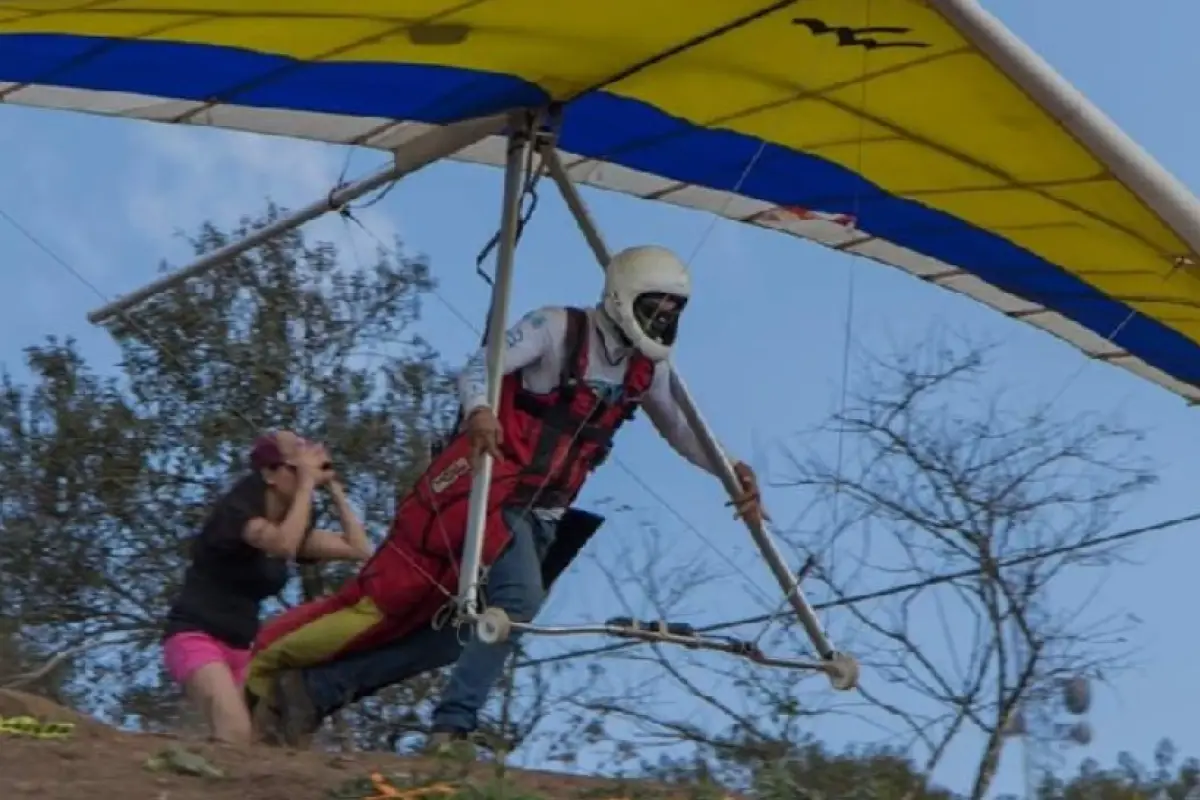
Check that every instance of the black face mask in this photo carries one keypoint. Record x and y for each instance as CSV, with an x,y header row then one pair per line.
x,y
657,314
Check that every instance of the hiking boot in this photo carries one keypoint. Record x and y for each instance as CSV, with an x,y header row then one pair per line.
x,y
264,719
450,744
298,718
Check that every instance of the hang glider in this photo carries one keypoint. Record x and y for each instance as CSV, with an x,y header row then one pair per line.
x,y
917,133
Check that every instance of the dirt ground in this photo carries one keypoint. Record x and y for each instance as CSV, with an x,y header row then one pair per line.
x,y
99,763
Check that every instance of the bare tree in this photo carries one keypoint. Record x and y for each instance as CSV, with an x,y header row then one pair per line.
x,y
397,718
931,471
672,712
942,472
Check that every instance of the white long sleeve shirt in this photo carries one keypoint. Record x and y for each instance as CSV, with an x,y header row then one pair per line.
x,y
536,345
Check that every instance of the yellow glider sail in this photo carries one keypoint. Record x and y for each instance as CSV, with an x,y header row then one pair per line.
x,y
918,133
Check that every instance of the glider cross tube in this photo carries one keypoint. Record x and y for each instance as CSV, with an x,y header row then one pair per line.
x,y
663,632
770,552
420,152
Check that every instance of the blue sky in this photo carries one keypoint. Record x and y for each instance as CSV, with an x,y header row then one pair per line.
x,y
762,348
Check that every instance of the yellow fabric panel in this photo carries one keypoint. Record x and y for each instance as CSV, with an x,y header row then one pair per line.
x,y
553,46
938,124
312,643
299,38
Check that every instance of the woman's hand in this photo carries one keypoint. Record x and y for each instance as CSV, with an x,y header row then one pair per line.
x,y
353,543
312,463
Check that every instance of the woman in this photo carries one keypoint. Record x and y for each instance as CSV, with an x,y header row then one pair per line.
x,y
240,558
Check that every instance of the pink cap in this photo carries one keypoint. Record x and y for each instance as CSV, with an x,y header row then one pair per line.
x,y
265,454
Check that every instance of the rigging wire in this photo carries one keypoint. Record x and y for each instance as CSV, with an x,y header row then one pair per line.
x,y
126,316
347,213
25,232
624,466
719,216
902,588
828,552
1110,338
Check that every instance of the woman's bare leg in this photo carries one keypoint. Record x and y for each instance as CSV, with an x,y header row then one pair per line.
x,y
213,688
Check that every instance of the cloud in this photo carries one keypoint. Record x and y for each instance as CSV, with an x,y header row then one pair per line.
x,y
184,176
109,197
51,191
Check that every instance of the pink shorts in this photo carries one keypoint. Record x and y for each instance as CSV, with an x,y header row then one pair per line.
x,y
189,651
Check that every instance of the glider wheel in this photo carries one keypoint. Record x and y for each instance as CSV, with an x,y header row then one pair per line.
x,y
842,670
493,626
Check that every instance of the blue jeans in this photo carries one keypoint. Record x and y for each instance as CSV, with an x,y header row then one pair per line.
x,y
514,583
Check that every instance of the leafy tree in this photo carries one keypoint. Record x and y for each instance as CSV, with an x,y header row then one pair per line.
x,y
105,475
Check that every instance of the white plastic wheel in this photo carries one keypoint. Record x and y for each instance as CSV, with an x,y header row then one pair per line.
x,y
493,626
842,670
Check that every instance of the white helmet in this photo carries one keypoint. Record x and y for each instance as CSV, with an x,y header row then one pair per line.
x,y
645,289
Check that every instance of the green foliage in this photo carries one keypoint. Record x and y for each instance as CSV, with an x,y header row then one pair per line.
x,y
813,772
807,769
1170,778
105,474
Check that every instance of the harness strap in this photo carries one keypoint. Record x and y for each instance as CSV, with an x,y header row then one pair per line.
x,y
575,354
574,369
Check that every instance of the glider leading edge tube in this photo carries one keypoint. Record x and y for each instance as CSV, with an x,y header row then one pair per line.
x,y
1156,187
420,152
779,568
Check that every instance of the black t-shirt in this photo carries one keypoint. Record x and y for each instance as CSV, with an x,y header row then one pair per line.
x,y
228,578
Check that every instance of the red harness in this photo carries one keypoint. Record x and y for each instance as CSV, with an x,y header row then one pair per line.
x,y
560,437
551,443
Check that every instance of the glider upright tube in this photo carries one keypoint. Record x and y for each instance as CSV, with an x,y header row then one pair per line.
x,y
519,142
775,561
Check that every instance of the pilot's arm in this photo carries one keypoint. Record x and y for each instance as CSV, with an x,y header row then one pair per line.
x,y
666,415
534,337
671,423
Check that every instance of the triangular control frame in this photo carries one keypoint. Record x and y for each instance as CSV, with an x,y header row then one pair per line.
x,y
531,131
